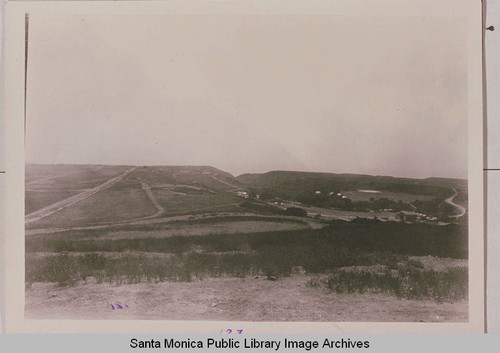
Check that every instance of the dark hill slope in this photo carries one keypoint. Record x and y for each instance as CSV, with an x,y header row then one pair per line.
x,y
290,184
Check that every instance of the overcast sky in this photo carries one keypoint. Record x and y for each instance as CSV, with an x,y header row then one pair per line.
x,y
250,93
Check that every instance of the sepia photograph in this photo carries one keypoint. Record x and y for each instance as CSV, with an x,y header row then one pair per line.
x,y
252,166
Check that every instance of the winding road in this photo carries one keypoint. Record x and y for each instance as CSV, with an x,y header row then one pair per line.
x,y
449,201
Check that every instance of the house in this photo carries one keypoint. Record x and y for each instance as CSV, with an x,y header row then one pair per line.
x,y
408,217
242,194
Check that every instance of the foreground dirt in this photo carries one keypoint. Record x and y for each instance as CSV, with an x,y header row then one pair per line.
x,y
232,299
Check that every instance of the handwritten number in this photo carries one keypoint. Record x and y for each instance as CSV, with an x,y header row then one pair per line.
x,y
118,305
229,331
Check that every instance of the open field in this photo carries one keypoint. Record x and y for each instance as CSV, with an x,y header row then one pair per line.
x,y
201,177
195,227
143,233
47,184
61,177
37,199
332,213
105,206
40,173
236,227
176,202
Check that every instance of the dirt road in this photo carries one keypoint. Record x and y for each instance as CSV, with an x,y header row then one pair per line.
x,y
147,189
225,182
461,209
60,205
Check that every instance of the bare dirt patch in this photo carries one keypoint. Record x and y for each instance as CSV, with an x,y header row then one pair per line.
x,y
232,299
439,263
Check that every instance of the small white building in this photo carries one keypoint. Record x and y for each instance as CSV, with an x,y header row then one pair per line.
x,y
242,194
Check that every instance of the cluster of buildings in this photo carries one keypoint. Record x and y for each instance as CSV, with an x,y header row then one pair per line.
x,y
412,217
243,194
332,193
402,216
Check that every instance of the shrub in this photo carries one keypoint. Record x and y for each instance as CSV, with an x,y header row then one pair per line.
x,y
60,269
409,283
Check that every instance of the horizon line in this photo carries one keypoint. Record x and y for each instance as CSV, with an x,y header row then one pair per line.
x,y
236,176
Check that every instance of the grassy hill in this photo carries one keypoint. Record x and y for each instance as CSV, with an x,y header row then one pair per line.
x,y
289,184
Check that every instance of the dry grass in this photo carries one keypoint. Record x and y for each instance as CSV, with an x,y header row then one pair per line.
x,y
237,227
70,177
48,184
176,204
275,254
35,200
407,279
105,206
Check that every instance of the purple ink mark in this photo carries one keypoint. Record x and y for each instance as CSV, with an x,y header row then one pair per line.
x,y
118,305
229,331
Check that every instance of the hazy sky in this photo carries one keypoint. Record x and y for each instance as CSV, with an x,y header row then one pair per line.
x,y
250,93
